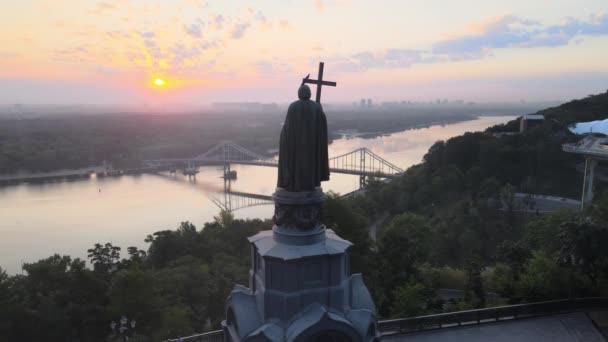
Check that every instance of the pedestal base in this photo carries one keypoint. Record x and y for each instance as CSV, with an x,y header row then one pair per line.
x,y
300,287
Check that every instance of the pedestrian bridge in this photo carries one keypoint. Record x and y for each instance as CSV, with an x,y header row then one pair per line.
x,y
361,162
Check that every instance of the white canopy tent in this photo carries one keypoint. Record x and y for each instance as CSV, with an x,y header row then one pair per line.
x,y
599,126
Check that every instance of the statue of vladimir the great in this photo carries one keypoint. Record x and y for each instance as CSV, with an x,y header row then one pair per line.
x,y
303,162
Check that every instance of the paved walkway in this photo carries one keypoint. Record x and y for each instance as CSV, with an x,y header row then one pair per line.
x,y
574,327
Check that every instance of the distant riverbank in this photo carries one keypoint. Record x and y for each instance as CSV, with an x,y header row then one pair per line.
x,y
91,171
67,142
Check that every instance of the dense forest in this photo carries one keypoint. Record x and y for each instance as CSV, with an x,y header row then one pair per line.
x,y
447,223
51,142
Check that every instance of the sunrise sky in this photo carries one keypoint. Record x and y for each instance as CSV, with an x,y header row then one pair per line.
x,y
115,51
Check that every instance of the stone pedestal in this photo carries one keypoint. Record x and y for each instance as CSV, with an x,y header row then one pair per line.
x,y
300,287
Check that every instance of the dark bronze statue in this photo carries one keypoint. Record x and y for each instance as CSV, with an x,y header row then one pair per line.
x,y
303,162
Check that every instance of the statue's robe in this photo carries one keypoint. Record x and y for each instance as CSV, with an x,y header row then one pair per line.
x,y
303,162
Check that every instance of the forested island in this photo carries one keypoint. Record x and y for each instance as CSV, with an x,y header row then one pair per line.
x,y
447,223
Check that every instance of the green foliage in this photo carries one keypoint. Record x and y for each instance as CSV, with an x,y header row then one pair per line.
x,y
542,233
402,247
543,279
58,299
406,242
224,219
583,246
175,322
171,290
347,221
451,278
502,280
410,300
514,254
465,189
132,294
474,292
507,197
106,258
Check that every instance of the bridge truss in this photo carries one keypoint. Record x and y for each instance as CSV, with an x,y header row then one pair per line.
x,y
361,162
364,162
234,200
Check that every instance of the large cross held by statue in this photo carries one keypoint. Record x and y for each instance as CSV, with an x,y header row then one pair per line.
x,y
319,82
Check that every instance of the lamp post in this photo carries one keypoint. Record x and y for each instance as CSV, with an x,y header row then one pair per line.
x,y
133,322
126,328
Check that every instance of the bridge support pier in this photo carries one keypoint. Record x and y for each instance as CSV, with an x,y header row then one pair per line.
x,y
362,182
226,169
588,176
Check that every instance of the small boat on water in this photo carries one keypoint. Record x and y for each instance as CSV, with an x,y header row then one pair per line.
x,y
230,175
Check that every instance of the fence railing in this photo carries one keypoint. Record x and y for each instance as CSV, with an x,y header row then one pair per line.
x,y
446,320
212,336
401,326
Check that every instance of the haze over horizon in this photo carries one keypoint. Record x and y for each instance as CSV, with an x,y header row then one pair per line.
x,y
113,51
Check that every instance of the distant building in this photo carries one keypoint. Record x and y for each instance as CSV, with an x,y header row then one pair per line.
x,y
529,121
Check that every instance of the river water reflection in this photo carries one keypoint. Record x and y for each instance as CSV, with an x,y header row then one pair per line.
x,y
37,220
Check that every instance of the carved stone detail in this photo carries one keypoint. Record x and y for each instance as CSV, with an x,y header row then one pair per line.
x,y
298,210
302,217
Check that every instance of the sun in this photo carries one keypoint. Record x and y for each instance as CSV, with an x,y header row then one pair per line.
x,y
159,82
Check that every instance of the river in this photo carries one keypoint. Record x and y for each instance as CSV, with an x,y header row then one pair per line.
x,y
69,217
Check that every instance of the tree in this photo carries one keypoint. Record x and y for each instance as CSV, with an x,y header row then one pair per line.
x,y
105,258
348,223
410,300
132,293
137,257
513,254
404,245
507,197
489,188
59,300
188,282
543,233
502,280
473,291
225,219
543,279
7,309
583,246
168,245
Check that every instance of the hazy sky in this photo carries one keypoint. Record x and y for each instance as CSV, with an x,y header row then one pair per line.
x,y
111,51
